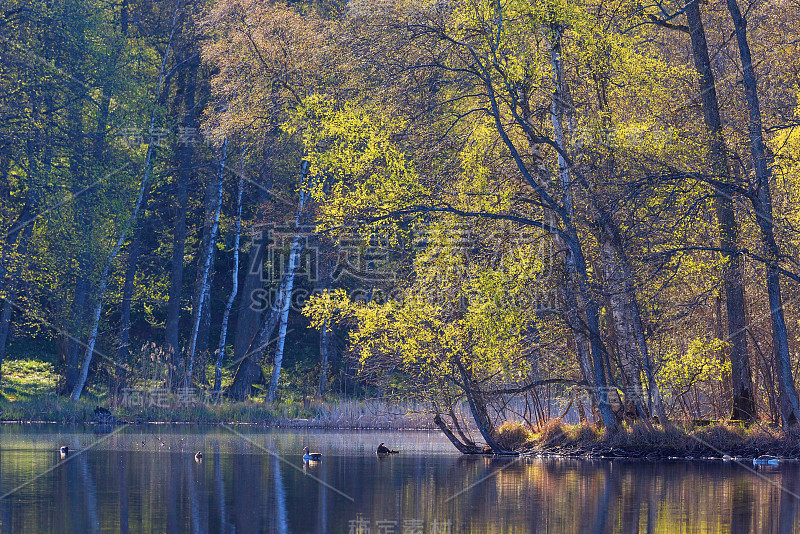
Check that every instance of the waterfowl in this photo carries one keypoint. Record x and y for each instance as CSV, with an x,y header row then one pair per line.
x,y
311,456
198,457
382,449
64,449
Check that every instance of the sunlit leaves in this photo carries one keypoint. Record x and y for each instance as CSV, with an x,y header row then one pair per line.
x,y
358,174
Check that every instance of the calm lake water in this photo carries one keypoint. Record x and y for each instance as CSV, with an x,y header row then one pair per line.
x,y
146,479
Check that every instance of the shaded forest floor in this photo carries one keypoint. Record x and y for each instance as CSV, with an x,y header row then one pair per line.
x,y
721,440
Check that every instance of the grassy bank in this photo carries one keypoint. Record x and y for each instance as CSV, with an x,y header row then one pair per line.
x,y
719,440
27,393
351,414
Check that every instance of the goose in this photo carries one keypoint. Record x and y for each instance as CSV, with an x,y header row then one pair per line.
x,y
311,456
382,449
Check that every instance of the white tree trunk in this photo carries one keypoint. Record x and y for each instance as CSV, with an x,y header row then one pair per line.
x,y
204,285
286,293
620,303
587,350
234,289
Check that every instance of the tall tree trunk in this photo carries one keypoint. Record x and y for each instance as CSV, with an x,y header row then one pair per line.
x,y
287,284
185,156
477,406
615,280
762,203
95,318
83,221
576,263
123,345
172,325
744,405
208,254
234,288
204,331
617,273
248,325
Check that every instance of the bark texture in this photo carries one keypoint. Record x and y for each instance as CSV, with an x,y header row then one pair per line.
x,y
744,406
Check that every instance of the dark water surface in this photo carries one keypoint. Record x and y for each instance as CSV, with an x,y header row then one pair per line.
x,y
254,480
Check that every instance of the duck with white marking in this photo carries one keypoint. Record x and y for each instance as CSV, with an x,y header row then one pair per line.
x,y
311,456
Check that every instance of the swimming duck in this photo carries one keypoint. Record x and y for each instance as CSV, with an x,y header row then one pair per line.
x,y
198,457
382,449
311,456
64,449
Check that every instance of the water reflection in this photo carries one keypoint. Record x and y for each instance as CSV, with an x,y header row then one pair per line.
x,y
147,480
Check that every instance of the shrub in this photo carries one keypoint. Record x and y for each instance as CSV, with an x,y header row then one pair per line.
x,y
512,435
552,433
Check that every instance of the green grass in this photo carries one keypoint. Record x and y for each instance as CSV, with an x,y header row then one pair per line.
x,y
28,393
27,379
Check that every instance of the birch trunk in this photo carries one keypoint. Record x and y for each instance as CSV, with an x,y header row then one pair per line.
x,y
576,264
616,278
234,289
84,371
202,299
286,297
762,203
632,345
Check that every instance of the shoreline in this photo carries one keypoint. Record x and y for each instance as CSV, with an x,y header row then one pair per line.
x,y
723,441
781,448
681,440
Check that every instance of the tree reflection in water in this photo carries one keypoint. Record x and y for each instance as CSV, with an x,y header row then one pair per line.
x,y
126,487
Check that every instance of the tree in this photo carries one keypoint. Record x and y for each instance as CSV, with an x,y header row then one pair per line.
x,y
761,198
744,407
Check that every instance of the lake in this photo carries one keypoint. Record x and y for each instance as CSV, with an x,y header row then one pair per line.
x,y
252,479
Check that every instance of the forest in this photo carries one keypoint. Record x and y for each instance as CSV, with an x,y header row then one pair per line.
x,y
498,210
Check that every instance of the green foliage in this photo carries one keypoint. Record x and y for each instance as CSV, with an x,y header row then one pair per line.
x,y
352,163
702,361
